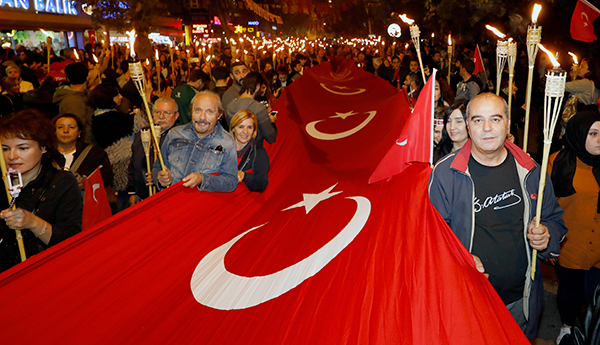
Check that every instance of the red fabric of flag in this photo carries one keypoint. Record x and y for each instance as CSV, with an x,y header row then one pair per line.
x,y
584,15
415,143
478,60
95,204
321,257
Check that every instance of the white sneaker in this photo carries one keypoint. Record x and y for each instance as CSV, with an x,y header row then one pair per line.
x,y
564,330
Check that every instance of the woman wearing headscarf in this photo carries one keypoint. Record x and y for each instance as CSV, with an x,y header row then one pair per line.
x,y
576,180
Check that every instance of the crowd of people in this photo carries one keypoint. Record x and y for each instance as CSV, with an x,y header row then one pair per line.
x,y
60,123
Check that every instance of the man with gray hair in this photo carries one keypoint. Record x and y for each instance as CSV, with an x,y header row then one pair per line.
x,y
165,112
201,153
487,193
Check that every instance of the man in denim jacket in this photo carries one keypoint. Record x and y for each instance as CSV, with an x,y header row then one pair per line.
x,y
200,153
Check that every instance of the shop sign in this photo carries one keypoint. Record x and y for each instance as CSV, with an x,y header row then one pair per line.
x,y
240,29
48,6
200,29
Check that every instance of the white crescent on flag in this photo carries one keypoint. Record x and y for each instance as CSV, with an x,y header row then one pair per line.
x,y
585,18
355,91
214,286
312,130
95,187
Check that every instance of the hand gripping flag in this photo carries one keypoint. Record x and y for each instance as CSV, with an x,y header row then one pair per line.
x,y
415,143
584,15
320,257
95,203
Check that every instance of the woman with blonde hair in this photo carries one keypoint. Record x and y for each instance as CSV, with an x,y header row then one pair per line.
x,y
253,161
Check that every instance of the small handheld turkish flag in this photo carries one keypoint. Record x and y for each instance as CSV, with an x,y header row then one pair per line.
x,y
415,143
581,21
95,204
478,60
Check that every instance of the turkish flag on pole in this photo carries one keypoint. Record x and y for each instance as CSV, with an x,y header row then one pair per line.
x,y
480,68
478,60
95,203
581,21
415,143
320,257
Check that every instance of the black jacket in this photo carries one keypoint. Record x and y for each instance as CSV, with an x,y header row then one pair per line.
x,y
53,196
94,159
255,165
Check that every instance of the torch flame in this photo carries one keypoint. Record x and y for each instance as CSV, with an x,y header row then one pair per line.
x,y
536,11
495,31
550,55
131,35
76,54
95,58
406,19
574,58
449,40
157,57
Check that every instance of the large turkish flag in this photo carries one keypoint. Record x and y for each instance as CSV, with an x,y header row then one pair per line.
x,y
321,257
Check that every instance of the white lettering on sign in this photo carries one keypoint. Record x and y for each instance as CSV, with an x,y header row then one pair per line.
x,y
56,6
24,4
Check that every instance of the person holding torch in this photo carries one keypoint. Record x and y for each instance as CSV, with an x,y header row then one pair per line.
x,y
487,192
48,208
585,84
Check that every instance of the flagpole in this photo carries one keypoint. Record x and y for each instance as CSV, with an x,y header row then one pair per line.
x,y
9,196
432,115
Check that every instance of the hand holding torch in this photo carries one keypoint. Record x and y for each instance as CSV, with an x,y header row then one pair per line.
x,y
554,94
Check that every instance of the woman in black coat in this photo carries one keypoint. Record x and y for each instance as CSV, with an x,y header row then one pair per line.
x,y
49,206
253,161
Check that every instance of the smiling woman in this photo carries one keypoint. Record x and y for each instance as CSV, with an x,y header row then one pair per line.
x,y
253,161
49,207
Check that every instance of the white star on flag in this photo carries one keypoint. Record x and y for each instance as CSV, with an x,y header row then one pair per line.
x,y
311,200
343,116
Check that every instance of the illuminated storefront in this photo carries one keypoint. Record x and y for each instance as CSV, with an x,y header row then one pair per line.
x,y
29,22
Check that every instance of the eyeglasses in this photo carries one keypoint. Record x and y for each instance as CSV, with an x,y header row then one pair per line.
x,y
163,113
